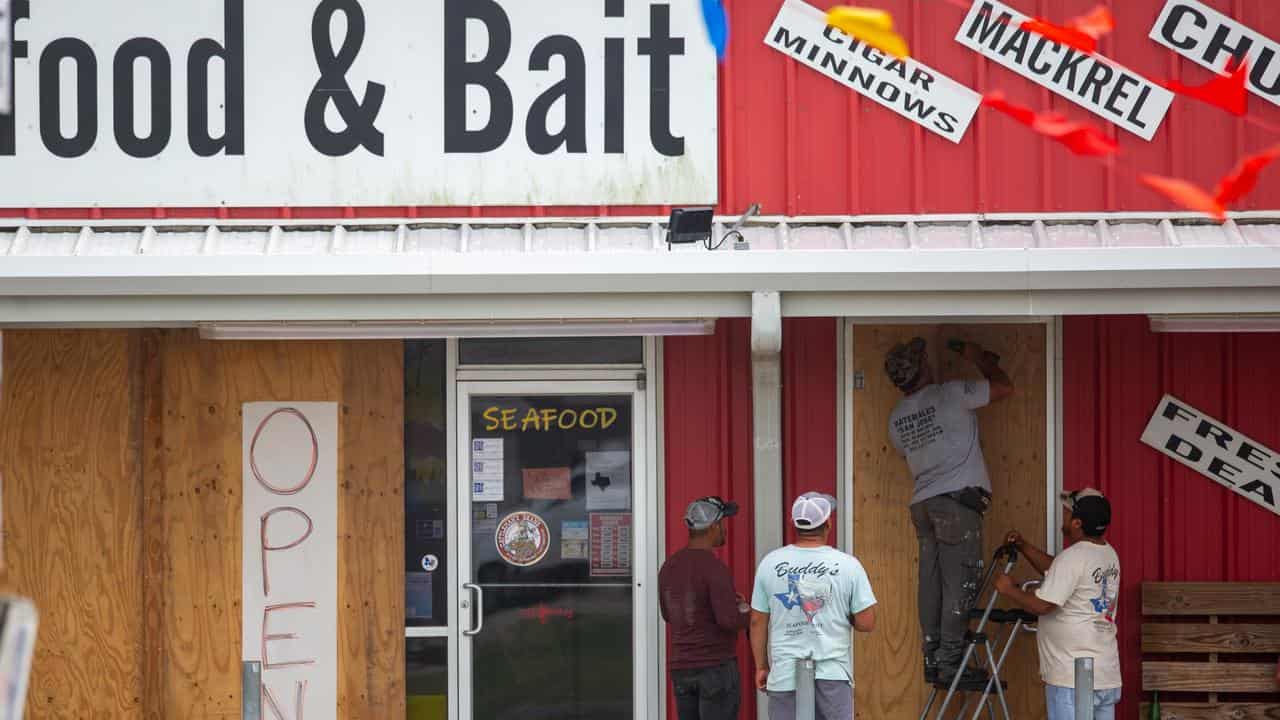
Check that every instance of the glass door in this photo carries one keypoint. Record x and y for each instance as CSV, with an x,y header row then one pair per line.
x,y
548,589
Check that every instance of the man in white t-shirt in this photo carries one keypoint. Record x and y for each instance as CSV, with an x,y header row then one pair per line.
x,y
807,600
1076,604
935,427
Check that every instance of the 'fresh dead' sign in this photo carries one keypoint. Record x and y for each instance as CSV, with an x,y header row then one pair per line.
x,y
1220,453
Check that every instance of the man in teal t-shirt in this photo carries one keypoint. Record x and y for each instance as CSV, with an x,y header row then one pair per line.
x,y
808,597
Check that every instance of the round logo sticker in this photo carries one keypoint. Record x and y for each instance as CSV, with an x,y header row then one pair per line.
x,y
430,563
522,538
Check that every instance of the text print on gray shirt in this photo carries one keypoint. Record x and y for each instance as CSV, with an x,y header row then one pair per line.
x,y
936,429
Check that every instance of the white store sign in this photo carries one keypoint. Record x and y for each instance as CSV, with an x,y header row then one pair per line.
x,y
910,88
290,561
1220,453
361,102
1095,83
6,57
1200,33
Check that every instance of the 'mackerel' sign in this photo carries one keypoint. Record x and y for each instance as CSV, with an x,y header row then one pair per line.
x,y
1098,84
1220,453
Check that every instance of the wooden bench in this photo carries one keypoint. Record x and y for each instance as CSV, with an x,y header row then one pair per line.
x,y
1212,620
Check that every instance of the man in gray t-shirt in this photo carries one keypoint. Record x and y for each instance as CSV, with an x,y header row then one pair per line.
x,y
935,427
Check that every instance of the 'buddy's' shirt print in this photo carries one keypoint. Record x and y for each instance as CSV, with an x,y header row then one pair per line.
x,y
810,595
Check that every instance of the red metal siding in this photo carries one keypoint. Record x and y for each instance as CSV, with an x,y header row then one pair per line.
x,y
708,435
1170,523
809,432
800,144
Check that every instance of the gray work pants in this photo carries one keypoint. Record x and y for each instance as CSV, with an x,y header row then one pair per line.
x,y
834,700
950,537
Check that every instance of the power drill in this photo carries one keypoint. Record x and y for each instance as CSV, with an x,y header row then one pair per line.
x,y
958,347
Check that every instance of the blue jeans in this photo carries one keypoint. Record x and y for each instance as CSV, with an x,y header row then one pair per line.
x,y
1061,702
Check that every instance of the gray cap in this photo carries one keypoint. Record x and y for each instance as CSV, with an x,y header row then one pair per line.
x,y
705,512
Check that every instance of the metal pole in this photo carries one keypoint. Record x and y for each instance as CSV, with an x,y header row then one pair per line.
x,y
1084,688
806,689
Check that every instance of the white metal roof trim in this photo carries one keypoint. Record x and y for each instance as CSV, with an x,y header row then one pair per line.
x,y
558,237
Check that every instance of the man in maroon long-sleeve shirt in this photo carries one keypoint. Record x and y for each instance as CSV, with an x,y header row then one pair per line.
x,y
704,615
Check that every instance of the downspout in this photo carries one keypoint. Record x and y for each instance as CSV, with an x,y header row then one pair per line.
x,y
766,415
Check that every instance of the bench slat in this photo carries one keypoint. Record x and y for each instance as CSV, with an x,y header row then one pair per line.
x,y
1204,638
1215,711
1209,677
1205,598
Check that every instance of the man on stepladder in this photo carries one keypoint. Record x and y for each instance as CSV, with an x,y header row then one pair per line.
x,y
936,428
1076,604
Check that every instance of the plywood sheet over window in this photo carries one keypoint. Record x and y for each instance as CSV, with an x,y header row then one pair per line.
x,y
72,525
888,664
194,510
121,455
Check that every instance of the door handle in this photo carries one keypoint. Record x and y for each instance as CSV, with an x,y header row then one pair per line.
x,y
479,611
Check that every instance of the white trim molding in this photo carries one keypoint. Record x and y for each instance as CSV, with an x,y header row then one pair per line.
x,y
172,273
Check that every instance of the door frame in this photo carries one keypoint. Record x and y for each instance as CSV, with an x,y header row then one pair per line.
x,y
646,514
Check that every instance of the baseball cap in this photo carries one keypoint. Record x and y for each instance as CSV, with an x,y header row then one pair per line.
x,y
1090,507
811,510
704,512
904,362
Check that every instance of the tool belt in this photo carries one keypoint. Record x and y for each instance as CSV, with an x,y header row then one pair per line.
x,y
974,498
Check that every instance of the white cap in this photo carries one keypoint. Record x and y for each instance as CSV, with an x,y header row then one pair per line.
x,y
811,510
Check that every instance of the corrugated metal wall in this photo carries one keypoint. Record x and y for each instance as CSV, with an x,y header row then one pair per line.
x,y
708,426
809,430
708,444
800,144
1170,523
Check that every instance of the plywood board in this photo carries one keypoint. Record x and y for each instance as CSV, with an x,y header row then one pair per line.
x,y
1210,638
888,664
1214,711
201,389
69,454
1210,598
1210,677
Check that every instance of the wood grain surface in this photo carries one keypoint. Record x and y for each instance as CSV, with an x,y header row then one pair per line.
x,y
888,666
1209,638
121,458
1214,711
1209,677
1210,598
72,516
